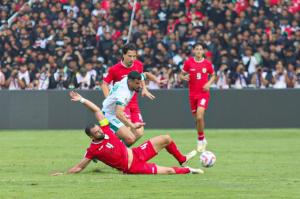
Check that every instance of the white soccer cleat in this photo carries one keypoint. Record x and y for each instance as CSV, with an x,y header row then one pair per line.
x,y
189,156
201,145
195,171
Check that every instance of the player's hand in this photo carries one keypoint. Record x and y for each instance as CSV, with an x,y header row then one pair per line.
x,y
186,77
138,125
206,87
146,93
75,97
57,174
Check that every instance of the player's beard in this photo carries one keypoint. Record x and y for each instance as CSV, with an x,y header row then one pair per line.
x,y
137,90
100,137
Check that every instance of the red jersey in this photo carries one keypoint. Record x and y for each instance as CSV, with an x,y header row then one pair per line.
x,y
119,71
110,151
198,72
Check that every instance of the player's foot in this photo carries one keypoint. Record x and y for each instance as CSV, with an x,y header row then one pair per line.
x,y
195,171
201,145
189,156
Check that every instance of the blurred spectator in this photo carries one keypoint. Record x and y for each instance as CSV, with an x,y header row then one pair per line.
x,y
13,82
84,79
2,79
258,79
279,76
249,61
291,76
297,81
240,77
222,79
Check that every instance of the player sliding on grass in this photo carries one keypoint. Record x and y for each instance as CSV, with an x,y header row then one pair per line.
x,y
106,147
196,71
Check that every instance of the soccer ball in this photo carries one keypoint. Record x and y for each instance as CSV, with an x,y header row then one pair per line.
x,y
207,159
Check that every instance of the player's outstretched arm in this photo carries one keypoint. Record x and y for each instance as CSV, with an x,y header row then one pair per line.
x,y
75,169
76,97
80,166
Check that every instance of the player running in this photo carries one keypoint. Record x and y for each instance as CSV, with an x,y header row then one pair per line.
x,y
196,71
117,72
106,147
114,106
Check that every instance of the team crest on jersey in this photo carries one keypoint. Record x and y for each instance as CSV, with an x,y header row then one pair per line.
x,y
204,70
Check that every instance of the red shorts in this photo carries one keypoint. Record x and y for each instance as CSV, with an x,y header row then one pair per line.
x,y
199,101
133,113
141,155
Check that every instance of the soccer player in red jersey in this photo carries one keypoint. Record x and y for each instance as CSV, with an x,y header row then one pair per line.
x,y
107,147
200,74
117,72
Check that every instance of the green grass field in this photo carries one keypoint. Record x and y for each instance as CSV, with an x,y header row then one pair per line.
x,y
259,163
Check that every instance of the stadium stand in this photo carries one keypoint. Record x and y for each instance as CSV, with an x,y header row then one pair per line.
x,y
62,44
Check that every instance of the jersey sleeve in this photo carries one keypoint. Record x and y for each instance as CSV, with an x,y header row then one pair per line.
x,y
186,66
141,68
109,77
210,68
89,155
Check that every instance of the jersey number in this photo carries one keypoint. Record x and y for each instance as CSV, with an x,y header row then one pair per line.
x,y
109,145
144,146
198,76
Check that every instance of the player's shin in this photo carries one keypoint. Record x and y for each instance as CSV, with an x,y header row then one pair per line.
x,y
172,149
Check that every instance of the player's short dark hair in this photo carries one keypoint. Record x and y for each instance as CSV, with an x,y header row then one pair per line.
x,y
199,44
88,129
134,75
128,47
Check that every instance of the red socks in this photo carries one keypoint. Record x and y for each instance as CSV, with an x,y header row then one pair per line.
x,y
201,136
179,170
172,149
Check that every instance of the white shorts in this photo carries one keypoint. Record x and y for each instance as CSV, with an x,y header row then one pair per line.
x,y
114,122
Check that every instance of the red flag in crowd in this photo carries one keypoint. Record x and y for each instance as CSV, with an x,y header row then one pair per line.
x,y
294,7
105,5
241,5
274,2
64,1
154,4
137,6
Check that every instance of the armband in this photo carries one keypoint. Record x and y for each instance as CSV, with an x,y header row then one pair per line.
x,y
143,76
82,100
104,122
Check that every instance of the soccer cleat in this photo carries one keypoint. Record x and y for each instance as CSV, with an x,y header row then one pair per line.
x,y
195,171
201,145
189,156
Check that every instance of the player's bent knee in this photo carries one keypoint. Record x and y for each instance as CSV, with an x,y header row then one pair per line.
x,y
168,138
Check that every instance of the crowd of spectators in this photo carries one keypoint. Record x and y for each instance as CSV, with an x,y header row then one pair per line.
x,y
61,44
